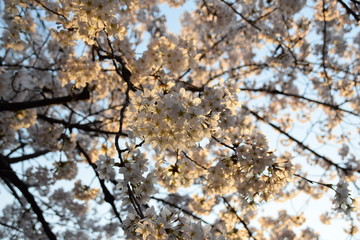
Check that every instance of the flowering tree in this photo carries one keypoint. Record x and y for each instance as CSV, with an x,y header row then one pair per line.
x,y
167,129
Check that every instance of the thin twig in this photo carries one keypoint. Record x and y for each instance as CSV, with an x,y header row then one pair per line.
x,y
301,144
250,233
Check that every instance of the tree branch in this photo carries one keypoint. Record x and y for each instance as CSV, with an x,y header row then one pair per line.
x,y
241,15
16,106
349,10
301,144
239,218
9,226
108,197
313,181
52,11
192,160
181,209
6,172
27,156
84,127
277,92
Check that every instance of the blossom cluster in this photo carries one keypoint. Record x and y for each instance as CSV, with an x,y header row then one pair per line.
x,y
65,170
177,119
83,192
67,203
88,23
342,199
164,54
135,176
40,178
17,25
45,136
182,171
165,225
10,122
79,71
284,227
252,170
105,167
172,120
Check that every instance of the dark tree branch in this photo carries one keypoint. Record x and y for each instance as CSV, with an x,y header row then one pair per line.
x,y
18,66
13,191
187,156
6,172
9,226
181,209
313,181
224,144
108,197
122,115
277,92
84,127
349,10
16,106
325,51
27,156
190,87
134,202
52,11
251,235
124,72
241,15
